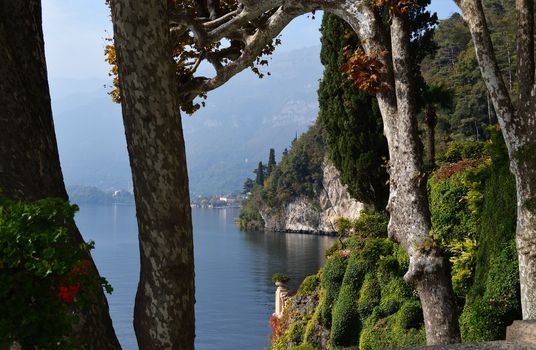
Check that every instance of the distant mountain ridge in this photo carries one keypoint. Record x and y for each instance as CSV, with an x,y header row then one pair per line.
x,y
224,141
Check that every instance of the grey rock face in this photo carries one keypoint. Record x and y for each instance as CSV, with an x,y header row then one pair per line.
x,y
315,215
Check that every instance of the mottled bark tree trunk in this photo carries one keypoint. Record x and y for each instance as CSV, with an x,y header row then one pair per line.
x,y
164,308
518,124
408,201
430,119
29,161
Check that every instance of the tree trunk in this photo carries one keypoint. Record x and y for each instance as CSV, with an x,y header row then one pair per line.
x,y
430,119
519,129
29,161
408,201
164,308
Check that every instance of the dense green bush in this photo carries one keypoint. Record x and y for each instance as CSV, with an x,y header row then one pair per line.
x,y
486,317
44,276
279,277
371,224
460,150
302,347
309,285
332,277
387,333
369,295
250,219
346,323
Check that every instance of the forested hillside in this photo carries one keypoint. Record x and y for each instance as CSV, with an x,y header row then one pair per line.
x,y
455,67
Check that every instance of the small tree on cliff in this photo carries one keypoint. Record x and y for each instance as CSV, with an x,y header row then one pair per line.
x,y
260,172
271,162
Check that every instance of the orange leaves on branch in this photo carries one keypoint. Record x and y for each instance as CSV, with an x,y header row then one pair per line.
x,y
399,7
111,59
365,71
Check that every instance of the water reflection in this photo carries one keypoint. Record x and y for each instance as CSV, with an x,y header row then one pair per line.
x,y
234,291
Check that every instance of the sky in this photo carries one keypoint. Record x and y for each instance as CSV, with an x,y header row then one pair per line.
x,y
87,122
75,33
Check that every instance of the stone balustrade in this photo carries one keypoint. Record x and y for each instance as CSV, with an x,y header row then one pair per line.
x,y
281,297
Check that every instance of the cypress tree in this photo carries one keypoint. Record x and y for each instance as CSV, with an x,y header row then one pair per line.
x,y
259,180
271,161
351,120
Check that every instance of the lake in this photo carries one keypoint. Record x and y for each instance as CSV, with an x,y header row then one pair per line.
x,y
234,291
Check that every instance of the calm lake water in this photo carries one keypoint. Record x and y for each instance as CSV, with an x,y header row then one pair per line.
x,y
234,291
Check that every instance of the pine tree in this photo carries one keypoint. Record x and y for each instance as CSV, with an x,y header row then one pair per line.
x,y
271,161
351,120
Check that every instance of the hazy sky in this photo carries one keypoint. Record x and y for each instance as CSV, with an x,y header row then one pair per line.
x,y
75,33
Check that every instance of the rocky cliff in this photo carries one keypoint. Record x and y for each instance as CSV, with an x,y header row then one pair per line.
x,y
315,215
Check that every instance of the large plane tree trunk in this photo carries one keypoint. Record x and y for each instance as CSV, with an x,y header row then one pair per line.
x,y
518,125
164,308
410,222
29,162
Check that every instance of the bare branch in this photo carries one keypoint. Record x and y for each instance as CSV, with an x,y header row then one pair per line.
x,y
253,49
183,21
218,21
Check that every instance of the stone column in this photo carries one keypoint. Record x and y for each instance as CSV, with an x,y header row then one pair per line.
x,y
281,294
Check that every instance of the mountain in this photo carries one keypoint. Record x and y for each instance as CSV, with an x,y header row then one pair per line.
x,y
224,141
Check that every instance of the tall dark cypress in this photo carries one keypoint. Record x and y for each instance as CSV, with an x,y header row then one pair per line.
x,y
351,120
259,180
271,161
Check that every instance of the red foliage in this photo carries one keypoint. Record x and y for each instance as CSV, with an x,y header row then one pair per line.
x,y
68,293
84,268
276,325
365,71
448,170
400,7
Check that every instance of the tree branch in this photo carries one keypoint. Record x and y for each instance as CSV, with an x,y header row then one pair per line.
x,y
254,46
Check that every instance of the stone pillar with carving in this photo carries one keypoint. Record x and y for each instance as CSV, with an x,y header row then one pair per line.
x,y
281,295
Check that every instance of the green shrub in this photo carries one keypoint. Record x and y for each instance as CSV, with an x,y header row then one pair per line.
x,y
302,347
451,218
334,248
457,151
309,285
346,324
250,219
410,315
374,249
402,257
369,295
332,277
279,277
387,333
393,295
486,318
463,259
371,224
388,268
44,276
